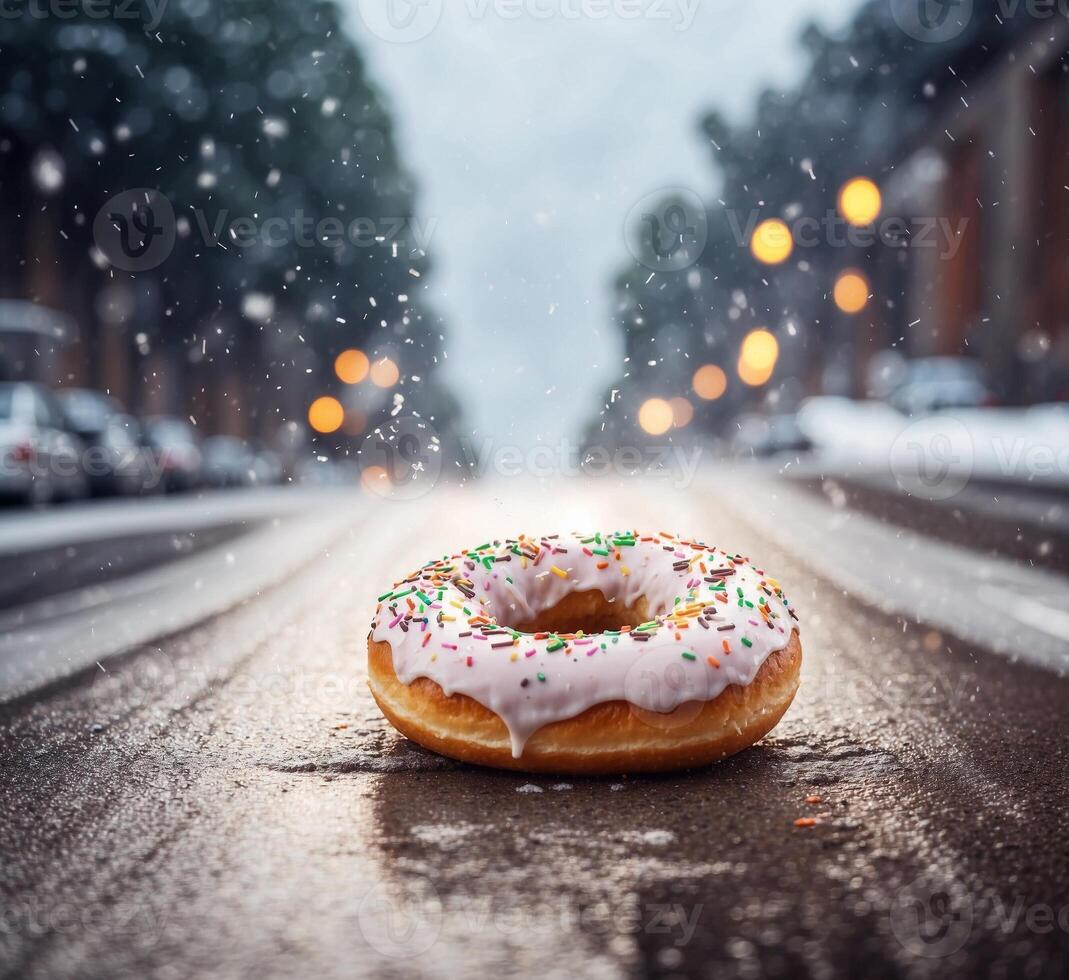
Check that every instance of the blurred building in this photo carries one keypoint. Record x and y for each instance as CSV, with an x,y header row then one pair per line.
x,y
990,166
964,145
114,334
263,117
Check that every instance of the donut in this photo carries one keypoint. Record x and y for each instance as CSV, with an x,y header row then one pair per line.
x,y
585,654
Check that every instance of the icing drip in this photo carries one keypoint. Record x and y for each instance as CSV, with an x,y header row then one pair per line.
x,y
715,620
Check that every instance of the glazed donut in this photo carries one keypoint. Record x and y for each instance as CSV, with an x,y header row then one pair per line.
x,y
585,654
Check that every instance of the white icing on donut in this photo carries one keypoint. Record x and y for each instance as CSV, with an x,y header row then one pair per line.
x,y
710,630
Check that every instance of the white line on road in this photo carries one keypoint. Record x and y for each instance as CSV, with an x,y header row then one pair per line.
x,y
971,595
164,600
1035,614
99,520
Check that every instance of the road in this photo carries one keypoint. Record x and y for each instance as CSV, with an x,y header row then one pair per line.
x,y
219,796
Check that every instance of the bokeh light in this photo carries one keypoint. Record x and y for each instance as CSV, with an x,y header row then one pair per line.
x,y
710,382
851,291
355,422
771,242
326,415
351,366
655,416
384,373
860,201
758,357
376,479
682,412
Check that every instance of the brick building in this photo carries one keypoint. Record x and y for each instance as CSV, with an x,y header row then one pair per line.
x,y
991,165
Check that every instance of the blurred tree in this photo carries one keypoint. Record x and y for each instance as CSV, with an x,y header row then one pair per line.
x,y
296,234
865,97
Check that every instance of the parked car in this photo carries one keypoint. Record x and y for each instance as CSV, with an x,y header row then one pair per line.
x,y
268,468
762,436
934,384
116,460
228,462
176,448
40,459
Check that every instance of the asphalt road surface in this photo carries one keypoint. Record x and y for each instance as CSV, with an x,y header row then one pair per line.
x,y
219,796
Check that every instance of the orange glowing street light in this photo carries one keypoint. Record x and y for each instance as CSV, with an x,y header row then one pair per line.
x,y
709,382
682,412
860,201
375,479
385,373
772,243
326,415
655,416
351,366
758,357
851,293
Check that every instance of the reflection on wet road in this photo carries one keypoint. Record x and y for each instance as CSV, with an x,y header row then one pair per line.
x,y
227,799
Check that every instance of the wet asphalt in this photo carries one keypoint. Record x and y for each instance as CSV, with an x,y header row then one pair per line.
x,y
228,802
27,577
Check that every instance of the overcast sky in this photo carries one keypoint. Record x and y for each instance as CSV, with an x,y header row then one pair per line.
x,y
531,138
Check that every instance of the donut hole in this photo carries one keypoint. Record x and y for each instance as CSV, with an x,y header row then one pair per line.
x,y
589,611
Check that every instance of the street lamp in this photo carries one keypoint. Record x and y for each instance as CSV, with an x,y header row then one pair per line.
x,y
326,415
772,243
758,357
351,366
860,201
851,293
